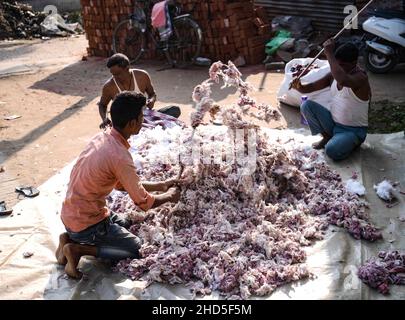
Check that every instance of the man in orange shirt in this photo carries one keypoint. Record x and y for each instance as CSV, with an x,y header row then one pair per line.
x,y
106,164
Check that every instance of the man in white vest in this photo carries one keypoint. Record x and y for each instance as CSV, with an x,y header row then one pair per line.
x,y
126,79
344,126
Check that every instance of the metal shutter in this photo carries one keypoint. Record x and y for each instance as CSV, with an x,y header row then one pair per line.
x,y
326,15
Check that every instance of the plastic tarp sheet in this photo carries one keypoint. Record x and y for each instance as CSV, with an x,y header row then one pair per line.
x,y
36,224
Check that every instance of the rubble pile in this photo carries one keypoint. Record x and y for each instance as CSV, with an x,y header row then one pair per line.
x,y
19,21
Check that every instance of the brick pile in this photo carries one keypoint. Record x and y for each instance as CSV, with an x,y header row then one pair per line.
x,y
230,27
100,17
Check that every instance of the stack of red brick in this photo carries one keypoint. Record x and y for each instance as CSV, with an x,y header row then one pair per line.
x,y
99,20
230,27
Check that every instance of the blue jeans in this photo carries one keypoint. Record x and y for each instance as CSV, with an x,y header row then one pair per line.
x,y
111,237
344,138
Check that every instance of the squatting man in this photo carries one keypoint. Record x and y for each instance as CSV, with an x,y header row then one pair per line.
x,y
126,79
104,165
344,126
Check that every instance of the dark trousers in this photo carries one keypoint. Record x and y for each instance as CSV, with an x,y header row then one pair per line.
x,y
111,237
173,111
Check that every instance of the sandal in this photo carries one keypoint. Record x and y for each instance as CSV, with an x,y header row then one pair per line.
x,y
27,191
3,209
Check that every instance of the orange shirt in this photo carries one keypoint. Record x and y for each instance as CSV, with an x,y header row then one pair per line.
x,y
105,164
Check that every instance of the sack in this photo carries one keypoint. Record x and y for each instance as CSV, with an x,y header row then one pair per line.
x,y
293,97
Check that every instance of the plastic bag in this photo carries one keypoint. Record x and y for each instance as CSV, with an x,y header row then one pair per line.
x,y
275,43
293,97
55,25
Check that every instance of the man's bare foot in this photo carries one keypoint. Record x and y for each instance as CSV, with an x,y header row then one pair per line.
x,y
60,257
321,144
73,255
73,252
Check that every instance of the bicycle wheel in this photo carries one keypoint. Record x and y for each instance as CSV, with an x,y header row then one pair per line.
x,y
184,45
129,40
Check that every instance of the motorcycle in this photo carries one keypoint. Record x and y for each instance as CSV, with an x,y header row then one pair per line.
x,y
386,45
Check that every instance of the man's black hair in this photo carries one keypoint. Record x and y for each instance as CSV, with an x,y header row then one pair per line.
x,y
126,106
347,52
118,59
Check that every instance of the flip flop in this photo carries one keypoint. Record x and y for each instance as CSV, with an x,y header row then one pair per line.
x,y
3,209
27,191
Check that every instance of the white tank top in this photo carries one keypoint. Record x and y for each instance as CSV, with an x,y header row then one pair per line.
x,y
348,109
136,88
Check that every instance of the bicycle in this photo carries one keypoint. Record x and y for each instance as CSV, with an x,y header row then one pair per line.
x,y
181,49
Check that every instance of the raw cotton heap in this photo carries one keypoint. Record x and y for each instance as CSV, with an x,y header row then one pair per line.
x,y
233,115
239,235
379,273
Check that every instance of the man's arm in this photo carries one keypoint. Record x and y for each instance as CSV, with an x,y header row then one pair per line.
x,y
102,106
172,195
126,174
353,81
314,86
149,90
151,186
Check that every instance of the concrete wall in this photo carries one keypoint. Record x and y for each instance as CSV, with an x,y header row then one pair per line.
x,y
61,5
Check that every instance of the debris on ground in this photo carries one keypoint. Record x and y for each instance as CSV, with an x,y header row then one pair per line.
x,y
20,21
55,25
379,273
356,187
12,117
294,37
28,254
4,211
2,169
385,190
275,66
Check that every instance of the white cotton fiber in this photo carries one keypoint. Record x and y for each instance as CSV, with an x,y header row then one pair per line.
x,y
384,190
355,186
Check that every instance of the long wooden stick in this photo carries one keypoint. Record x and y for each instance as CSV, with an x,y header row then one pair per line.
x,y
337,35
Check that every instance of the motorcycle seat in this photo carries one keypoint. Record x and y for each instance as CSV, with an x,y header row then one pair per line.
x,y
389,14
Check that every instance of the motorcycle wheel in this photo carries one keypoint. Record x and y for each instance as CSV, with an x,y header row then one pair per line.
x,y
377,62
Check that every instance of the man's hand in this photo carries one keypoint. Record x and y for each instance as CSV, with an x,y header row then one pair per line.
x,y
329,46
296,84
150,103
106,123
174,194
169,183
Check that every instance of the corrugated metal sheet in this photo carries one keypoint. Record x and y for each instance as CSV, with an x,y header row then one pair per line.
x,y
326,15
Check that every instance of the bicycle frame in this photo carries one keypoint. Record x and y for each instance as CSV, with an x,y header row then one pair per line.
x,y
146,26
148,38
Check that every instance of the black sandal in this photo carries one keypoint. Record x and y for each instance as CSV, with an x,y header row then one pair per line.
x,y
27,191
3,209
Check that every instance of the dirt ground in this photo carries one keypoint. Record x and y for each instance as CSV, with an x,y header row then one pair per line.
x,y
56,95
